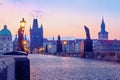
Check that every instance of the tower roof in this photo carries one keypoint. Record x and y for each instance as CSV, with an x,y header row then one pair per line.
x,y
35,24
59,38
103,26
5,31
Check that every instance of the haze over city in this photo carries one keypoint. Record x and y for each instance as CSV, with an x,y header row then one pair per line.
x,y
64,17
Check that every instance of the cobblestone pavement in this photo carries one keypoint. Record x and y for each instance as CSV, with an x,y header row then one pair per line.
x,y
48,67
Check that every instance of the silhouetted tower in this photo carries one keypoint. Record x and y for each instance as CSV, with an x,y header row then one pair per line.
x,y
59,44
15,43
87,42
103,34
36,36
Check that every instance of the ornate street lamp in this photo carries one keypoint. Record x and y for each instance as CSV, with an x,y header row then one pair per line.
x,y
20,46
65,43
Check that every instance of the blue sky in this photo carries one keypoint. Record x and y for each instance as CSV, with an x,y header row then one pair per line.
x,y
64,17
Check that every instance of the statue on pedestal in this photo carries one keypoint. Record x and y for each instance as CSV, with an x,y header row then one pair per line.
x,y
21,41
87,44
87,32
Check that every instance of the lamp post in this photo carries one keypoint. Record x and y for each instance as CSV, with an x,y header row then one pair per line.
x,y
49,48
65,43
21,43
41,50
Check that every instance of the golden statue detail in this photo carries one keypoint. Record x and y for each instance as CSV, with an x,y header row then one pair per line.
x,y
22,44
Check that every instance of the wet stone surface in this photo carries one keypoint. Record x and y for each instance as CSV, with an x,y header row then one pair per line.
x,y
47,67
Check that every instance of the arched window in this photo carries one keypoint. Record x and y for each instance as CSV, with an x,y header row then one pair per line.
x,y
8,38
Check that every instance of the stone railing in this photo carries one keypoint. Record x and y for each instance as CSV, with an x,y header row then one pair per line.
x,y
14,67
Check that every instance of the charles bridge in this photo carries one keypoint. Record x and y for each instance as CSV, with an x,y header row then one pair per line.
x,y
50,67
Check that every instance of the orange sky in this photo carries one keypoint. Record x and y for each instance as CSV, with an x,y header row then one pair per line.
x,y
64,18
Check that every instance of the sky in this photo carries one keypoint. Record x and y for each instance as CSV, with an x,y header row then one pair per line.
x,y
64,17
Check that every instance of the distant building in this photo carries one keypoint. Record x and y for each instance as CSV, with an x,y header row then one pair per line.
x,y
51,46
6,44
68,46
106,45
36,36
103,34
15,42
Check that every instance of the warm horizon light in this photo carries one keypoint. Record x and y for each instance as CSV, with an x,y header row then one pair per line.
x,y
64,17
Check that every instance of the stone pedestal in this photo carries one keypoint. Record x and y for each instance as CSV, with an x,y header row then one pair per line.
x,y
86,48
22,68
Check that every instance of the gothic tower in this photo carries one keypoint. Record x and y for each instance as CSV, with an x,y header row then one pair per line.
x,y
36,36
103,34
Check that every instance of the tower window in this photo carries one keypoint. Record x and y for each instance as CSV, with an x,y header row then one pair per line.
x,y
8,38
7,44
3,38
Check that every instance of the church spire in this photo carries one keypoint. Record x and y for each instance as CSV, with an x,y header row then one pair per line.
x,y
59,38
103,34
53,38
103,25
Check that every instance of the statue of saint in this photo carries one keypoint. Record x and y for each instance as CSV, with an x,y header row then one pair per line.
x,y
21,35
87,32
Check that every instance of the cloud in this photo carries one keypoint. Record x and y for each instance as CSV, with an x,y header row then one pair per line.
x,y
37,13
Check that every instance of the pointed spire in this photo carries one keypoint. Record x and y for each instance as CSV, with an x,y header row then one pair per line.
x,y
103,21
59,38
41,26
53,38
103,25
16,38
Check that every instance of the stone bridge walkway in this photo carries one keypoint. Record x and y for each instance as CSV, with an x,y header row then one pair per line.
x,y
48,67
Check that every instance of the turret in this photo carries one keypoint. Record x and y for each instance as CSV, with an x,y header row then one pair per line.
x,y
103,34
35,24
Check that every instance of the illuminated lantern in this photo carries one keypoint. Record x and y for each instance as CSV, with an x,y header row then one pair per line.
x,y
22,23
20,46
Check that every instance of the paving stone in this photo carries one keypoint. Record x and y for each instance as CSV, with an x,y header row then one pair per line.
x,y
48,67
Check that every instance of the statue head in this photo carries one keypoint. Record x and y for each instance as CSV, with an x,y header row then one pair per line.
x,y
87,32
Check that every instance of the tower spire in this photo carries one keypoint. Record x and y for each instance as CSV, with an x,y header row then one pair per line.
x,y
103,34
103,25
59,38
41,26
